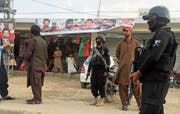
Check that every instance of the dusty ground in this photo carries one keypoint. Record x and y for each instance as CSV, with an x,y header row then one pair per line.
x,y
61,96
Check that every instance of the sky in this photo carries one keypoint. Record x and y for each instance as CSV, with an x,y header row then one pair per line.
x,y
89,8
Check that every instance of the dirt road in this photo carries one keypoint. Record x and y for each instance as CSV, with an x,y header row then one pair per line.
x,y
61,96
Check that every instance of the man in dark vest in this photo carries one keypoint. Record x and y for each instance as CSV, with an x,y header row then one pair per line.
x,y
35,56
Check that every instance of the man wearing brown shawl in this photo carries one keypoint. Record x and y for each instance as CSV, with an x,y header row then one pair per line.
x,y
125,53
35,56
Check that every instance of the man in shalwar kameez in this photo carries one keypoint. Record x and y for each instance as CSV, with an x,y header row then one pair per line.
x,y
36,57
125,53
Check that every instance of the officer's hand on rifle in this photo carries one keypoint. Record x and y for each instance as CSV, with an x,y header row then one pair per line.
x,y
135,76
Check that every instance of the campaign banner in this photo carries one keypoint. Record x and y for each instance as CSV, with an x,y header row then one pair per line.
x,y
73,26
10,25
6,39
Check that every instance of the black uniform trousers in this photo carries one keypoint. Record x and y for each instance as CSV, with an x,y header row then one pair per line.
x,y
3,79
98,81
153,96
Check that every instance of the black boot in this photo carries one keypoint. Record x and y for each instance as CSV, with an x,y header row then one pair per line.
x,y
8,98
33,101
29,100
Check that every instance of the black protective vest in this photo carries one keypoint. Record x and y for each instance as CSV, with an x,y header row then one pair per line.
x,y
160,69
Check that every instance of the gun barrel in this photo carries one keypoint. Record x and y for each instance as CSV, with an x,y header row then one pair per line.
x,y
132,68
87,77
128,101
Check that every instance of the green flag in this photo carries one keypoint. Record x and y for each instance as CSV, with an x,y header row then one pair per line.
x,y
81,47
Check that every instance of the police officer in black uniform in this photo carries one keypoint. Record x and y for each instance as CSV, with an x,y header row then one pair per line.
x,y
99,66
158,58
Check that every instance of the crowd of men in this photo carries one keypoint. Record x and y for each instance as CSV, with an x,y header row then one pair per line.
x,y
149,82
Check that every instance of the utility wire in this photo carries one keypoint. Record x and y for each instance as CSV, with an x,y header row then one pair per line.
x,y
71,12
79,12
85,12
47,4
67,10
41,12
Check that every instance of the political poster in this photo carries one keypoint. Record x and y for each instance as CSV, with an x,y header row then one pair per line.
x,y
72,26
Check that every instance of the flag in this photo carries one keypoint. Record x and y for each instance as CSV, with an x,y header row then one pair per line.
x,y
76,38
86,48
81,47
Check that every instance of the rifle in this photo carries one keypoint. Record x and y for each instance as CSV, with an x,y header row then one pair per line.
x,y
139,56
91,62
96,53
100,55
87,76
130,91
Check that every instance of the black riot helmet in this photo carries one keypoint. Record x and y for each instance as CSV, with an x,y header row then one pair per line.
x,y
161,17
101,37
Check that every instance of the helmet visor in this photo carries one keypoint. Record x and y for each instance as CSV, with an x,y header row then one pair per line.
x,y
146,17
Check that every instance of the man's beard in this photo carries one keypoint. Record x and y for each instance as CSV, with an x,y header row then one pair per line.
x,y
127,35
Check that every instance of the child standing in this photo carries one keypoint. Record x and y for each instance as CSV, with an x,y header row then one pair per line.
x,y
57,60
71,65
